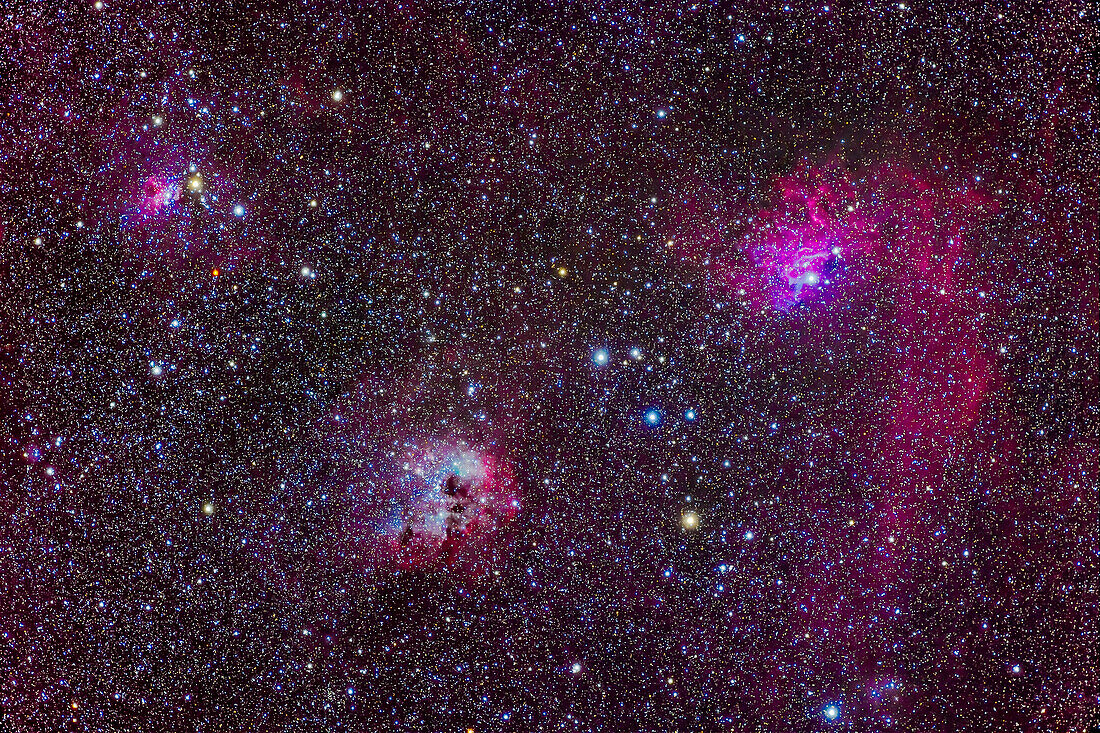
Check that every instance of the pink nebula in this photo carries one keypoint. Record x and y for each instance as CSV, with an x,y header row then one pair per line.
x,y
462,499
157,194
894,243
430,503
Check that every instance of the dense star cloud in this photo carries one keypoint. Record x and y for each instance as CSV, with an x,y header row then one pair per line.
x,y
548,366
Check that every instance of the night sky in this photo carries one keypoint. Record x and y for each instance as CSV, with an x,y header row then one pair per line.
x,y
491,366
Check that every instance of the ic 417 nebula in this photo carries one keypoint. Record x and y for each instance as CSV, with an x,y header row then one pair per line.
x,y
489,366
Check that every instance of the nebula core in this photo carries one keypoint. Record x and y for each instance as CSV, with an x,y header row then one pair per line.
x,y
434,504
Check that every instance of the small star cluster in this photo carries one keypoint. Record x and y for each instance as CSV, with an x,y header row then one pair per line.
x,y
448,365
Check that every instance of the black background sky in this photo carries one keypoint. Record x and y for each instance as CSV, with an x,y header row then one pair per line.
x,y
261,264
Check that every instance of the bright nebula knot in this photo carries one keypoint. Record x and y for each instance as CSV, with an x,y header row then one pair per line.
x,y
436,503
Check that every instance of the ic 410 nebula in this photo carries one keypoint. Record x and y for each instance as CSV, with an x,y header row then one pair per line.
x,y
434,503
559,366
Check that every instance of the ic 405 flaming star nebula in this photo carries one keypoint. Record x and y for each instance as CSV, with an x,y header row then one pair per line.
x,y
462,365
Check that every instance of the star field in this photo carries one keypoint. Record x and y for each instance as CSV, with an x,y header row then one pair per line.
x,y
489,366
